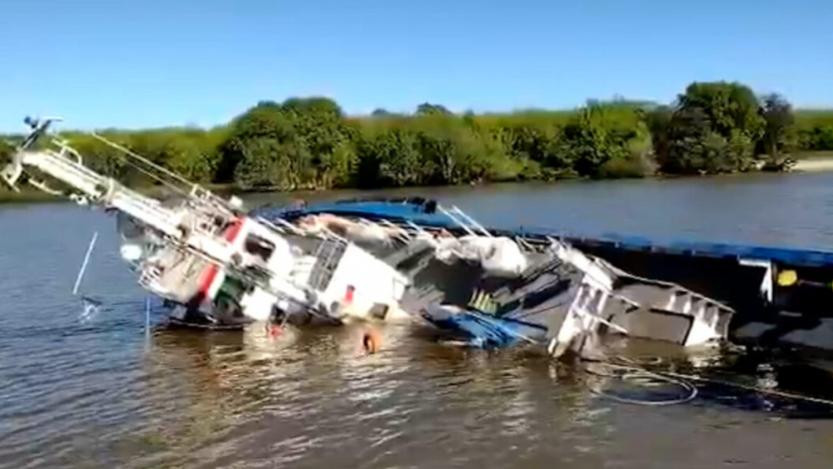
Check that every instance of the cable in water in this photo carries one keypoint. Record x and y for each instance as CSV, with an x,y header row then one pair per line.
x,y
646,378
636,373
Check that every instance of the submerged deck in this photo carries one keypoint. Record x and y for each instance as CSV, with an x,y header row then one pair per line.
x,y
422,211
794,308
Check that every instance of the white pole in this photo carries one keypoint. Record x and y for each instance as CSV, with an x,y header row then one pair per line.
x,y
457,221
147,318
472,221
84,264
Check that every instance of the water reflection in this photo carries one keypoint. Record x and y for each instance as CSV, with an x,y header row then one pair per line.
x,y
212,383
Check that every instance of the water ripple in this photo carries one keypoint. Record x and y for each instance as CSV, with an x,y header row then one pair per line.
x,y
95,394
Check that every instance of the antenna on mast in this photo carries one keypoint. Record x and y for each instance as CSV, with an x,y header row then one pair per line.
x,y
39,128
12,171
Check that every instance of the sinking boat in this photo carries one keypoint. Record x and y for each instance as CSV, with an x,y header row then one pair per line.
x,y
781,297
493,290
217,266
214,265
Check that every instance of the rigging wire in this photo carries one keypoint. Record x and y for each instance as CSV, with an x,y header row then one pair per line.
x,y
146,172
141,158
758,389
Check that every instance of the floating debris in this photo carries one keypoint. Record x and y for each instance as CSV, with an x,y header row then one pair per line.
x,y
91,308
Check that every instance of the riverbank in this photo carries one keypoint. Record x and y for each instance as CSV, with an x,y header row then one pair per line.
x,y
816,161
25,196
32,195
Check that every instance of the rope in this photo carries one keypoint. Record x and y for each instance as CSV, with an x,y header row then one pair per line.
x,y
772,392
633,372
142,170
141,158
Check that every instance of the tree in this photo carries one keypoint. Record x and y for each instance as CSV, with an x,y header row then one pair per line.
x,y
713,129
604,138
314,106
263,121
778,122
6,152
658,121
101,158
308,143
312,133
820,138
728,106
187,157
391,158
426,109
271,165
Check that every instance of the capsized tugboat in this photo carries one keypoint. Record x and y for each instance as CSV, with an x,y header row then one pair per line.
x,y
491,290
213,264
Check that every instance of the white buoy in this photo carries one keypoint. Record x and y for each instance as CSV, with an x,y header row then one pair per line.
x,y
131,252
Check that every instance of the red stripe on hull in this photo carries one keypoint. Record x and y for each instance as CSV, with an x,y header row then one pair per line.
x,y
210,274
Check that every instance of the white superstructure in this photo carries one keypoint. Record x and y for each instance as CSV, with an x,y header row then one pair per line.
x,y
207,256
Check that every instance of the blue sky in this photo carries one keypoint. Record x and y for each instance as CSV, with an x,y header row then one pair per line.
x,y
154,63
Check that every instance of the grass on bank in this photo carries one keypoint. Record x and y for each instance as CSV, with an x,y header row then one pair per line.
x,y
814,155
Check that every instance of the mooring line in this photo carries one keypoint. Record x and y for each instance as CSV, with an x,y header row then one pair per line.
x,y
633,372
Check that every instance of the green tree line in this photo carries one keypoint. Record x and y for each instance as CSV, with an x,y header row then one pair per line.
x,y
309,143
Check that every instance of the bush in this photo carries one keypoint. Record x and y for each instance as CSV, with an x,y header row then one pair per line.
x,y
713,129
308,139
308,143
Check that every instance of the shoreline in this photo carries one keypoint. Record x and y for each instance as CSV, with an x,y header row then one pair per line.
x,y
814,164
806,162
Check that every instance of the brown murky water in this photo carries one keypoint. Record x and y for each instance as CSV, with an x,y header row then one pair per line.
x,y
97,391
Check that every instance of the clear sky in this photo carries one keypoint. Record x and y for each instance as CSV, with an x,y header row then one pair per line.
x,y
138,63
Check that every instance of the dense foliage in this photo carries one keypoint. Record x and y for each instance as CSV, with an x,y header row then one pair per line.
x,y
814,130
6,151
309,143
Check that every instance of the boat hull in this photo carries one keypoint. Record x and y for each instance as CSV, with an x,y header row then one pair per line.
x,y
745,278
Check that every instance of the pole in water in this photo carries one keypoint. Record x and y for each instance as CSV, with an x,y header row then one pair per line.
x,y
147,320
84,264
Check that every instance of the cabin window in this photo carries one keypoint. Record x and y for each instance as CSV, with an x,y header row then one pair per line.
x,y
259,247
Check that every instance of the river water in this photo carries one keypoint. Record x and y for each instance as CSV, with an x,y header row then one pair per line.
x,y
101,390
